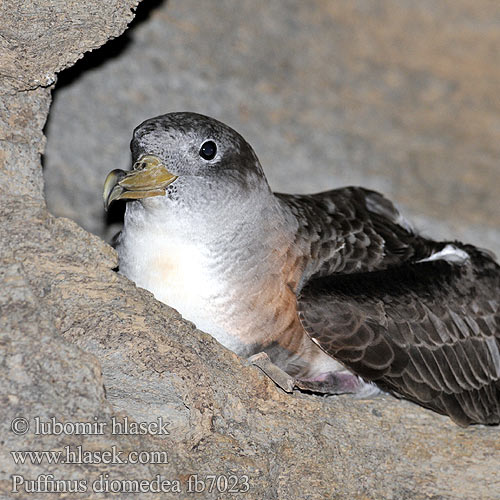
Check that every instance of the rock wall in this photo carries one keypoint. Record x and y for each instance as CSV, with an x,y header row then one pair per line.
x,y
401,97
80,343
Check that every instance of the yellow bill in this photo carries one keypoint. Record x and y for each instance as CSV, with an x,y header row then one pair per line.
x,y
148,177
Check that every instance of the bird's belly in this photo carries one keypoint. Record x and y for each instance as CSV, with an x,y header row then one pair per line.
x,y
244,312
181,276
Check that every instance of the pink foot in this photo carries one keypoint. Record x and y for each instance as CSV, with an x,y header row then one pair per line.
x,y
332,383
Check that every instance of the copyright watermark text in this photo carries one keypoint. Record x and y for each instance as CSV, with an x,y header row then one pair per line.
x,y
195,484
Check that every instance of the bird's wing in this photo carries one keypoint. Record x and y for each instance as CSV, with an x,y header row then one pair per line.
x,y
352,230
408,313
428,331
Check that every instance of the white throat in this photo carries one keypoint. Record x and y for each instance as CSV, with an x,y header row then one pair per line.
x,y
207,266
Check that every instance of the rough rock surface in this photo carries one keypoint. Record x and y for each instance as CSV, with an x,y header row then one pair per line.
x,y
402,97
80,343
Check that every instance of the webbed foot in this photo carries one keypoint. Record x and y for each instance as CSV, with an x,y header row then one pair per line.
x,y
274,372
330,383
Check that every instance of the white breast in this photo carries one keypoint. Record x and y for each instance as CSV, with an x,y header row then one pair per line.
x,y
183,275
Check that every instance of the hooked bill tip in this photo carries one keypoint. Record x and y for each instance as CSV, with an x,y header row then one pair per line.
x,y
112,189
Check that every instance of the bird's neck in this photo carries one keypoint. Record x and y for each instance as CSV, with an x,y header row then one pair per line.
x,y
217,270
239,240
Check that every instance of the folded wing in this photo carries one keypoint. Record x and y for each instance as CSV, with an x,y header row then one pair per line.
x,y
428,331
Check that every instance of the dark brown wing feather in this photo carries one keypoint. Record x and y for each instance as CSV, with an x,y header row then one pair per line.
x,y
351,230
428,331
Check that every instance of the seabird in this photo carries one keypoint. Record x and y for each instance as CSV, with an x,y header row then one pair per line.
x,y
336,289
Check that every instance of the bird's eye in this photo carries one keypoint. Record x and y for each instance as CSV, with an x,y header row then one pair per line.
x,y
208,150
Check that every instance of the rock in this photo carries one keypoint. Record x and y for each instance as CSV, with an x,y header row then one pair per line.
x,y
401,98
80,343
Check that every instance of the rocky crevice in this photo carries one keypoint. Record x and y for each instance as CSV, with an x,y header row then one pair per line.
x,y
78,341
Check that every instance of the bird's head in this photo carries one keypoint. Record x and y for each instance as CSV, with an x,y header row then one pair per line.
x,y
186,158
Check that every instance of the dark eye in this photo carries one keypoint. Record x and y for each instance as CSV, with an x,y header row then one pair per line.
x,y
208,150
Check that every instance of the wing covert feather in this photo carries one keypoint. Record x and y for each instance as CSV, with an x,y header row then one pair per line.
x,y
427,331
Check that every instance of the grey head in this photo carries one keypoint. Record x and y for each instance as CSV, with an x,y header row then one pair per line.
x,y
190,159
